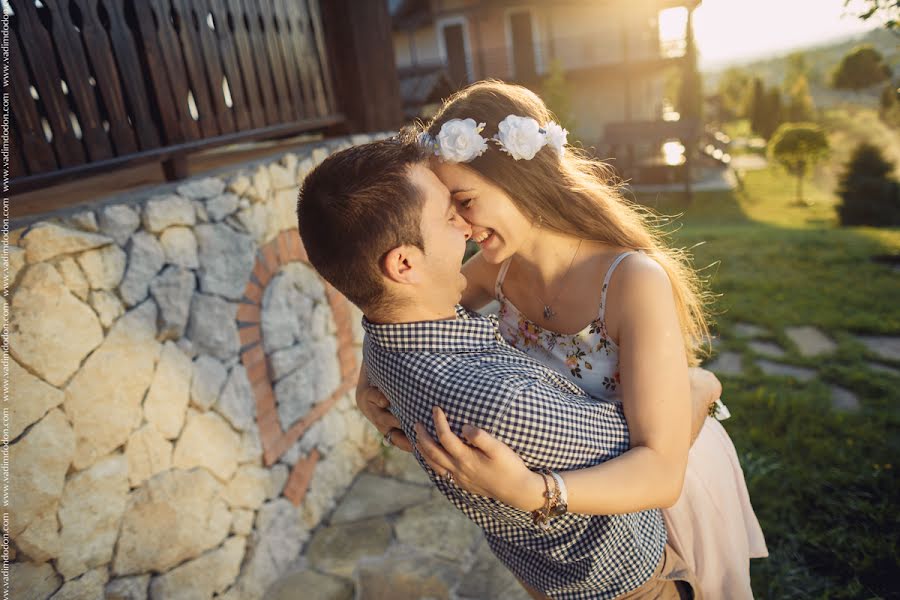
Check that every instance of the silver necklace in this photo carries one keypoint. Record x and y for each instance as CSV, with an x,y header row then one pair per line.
x,y
549,313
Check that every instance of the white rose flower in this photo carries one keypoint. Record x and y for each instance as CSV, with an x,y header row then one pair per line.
x,y
521,137
460,140
557,137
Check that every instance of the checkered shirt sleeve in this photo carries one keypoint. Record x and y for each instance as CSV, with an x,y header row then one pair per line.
x,y
477,378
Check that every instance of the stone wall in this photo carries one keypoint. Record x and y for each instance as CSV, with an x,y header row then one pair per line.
x,y
181,412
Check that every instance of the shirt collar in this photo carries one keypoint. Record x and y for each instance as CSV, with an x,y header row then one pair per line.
x,y
468,331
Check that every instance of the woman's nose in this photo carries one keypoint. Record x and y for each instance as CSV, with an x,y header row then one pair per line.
x,y
467,229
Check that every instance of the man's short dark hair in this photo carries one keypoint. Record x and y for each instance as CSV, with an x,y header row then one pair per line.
x,y
354,208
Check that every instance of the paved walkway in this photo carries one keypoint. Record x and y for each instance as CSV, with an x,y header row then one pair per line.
x,y
804,345
395,537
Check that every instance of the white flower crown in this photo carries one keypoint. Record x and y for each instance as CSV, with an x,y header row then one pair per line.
x,y
460,140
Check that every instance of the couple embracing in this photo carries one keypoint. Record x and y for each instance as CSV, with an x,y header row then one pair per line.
x,y
572,426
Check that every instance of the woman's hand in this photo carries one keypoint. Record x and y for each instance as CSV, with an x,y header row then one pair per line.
x,y
488,467
374,406
705,390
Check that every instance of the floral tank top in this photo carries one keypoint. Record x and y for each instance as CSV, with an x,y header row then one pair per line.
x,y
589,358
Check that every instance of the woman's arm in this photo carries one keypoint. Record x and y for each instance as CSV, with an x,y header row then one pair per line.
x,y
656,394
658,409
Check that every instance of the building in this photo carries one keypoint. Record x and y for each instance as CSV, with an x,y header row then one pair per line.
x,y
616,57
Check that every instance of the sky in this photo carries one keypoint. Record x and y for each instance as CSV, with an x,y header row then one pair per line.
x,y
728,30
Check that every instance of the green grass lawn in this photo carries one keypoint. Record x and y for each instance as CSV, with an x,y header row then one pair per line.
x,y
824,483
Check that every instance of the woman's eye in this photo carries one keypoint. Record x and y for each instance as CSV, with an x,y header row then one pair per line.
x,y
465,203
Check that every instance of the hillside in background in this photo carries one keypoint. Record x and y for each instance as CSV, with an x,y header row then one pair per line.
x,y
821,60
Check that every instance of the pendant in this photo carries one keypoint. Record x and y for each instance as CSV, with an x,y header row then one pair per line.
x,y
548,313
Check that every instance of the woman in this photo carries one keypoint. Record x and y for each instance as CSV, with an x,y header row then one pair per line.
x,y
586,286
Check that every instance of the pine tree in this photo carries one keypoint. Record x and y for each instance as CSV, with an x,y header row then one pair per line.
x,y
756,105
800,103
869,195
771,113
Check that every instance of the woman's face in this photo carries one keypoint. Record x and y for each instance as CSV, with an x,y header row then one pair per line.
x,y
498,227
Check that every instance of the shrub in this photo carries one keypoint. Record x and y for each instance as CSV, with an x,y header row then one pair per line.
x,y
869,194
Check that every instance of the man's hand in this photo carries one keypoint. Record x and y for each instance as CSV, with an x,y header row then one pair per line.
x,y
374,406
705,390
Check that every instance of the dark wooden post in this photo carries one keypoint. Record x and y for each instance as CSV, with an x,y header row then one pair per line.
x,y
361,56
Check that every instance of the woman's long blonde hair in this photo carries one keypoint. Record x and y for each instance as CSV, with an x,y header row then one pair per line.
x,y
575,195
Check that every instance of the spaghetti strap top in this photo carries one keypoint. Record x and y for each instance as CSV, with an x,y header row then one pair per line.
x,y
606,280
501,275
588,358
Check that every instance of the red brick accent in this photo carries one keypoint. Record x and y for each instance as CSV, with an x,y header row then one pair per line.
x,y
288,247
253,293
249,313
262,273
258,371
254,354
298,482
249,335
270,256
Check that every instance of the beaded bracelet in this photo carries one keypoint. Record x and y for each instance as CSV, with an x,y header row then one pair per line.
x,y
541,516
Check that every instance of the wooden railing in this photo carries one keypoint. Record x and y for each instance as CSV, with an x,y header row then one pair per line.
x,y
97,84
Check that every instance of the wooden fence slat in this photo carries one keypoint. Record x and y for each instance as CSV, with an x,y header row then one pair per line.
x,y
291,65
165,97
248,68
106,77
170,51
105,83
224,39
213,59
264,75
129,64
16,166
305,54
282,94
75,66
324,78
38,153
197,79
35,40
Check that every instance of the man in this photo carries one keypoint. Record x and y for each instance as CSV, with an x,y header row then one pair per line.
x,y
380,227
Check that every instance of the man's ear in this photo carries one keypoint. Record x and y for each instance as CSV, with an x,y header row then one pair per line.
x,y
403,265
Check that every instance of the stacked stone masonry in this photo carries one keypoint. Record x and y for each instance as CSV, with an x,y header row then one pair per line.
x,y
181,414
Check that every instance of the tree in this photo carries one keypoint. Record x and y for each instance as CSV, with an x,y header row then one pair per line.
x,y
797,147
690,91
800,103
556,94
860,68
886,10
869,195
771,114
756,105
796,67
889,104
734,85
765,109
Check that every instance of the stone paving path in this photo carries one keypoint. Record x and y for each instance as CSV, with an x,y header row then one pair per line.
x,y
773,359
393,536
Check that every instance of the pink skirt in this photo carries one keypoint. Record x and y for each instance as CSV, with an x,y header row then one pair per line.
x,y
712,526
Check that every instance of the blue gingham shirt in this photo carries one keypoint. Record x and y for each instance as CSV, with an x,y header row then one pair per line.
x,y
464,366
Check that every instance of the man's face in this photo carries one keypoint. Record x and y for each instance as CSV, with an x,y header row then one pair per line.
x,y
445,234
